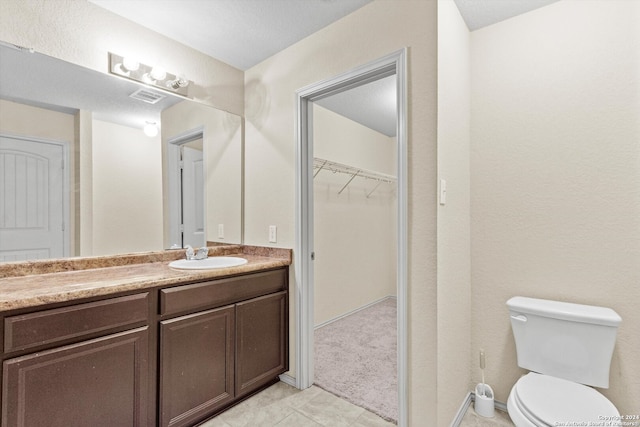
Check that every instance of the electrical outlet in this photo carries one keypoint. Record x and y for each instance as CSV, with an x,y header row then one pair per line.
x,y
220,231
273,234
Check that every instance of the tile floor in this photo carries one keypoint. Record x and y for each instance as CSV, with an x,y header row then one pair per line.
x,y
284,406
471,419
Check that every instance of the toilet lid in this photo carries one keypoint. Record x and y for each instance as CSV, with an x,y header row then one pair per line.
x,y
554,400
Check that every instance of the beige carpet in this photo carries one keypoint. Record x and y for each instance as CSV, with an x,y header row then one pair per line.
x,y
356,359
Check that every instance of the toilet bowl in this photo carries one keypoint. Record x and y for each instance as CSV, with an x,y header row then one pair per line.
x,y
538,400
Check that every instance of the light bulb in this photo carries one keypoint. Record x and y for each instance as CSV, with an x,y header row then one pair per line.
x,y
178,83
129,64
151,129
158,73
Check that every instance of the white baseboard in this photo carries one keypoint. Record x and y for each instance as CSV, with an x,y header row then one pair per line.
x,y
463,409
342,316
501,406
288,379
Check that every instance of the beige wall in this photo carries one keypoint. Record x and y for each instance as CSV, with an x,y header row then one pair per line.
x,y
127,190
367,34
555,176
83,33
454,257
354,236
26,120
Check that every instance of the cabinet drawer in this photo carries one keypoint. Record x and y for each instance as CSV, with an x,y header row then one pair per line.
x,y
52,326
221,292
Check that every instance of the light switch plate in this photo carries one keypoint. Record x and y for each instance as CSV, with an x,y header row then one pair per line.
x,y
443,192
273,234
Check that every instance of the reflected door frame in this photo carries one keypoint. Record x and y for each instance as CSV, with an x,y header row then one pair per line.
x,y
395,63
175,183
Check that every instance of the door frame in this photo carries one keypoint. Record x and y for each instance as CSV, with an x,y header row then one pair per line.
x,y
174,183
394,63
66,184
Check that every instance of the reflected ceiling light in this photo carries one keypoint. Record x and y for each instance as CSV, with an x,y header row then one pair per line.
x,y
151,129
152,76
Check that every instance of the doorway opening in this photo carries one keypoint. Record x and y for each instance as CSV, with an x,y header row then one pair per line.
x,y
187,220
394,64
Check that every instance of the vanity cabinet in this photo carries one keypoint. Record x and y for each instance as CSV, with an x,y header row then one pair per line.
x,y
68,367
214,357
168,356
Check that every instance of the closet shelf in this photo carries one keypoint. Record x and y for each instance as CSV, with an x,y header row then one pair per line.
x,y
327,165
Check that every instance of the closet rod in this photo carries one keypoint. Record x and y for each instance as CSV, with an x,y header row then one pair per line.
x,y
335,167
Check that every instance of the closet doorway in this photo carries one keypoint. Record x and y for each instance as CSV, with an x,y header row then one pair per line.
x,y
355,205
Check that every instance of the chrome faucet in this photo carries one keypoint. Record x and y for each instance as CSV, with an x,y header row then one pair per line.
x,y
202,253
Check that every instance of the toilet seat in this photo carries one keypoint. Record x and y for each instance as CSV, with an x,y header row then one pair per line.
x,y
541,401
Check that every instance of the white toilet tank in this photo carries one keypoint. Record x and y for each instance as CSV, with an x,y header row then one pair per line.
x,y
564,340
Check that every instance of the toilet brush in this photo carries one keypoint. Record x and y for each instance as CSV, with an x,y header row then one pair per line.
x,y
484,404
482,365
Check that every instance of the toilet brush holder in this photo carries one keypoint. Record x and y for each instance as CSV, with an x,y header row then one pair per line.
x,y
484,404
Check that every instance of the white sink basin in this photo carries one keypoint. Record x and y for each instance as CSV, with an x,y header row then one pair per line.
x,y
207,263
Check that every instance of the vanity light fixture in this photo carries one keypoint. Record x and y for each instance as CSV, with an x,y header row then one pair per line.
x,y
151,129
156,76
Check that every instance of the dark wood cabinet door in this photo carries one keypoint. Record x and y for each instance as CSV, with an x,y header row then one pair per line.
x,y
196,365
101,382
262,337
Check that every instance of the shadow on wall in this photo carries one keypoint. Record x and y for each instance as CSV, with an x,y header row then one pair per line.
x,y
257,103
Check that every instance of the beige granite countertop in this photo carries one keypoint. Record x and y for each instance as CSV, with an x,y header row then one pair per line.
x,y
34,283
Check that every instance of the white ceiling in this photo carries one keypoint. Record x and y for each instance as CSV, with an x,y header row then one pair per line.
x,y
241,33
372,105
481,13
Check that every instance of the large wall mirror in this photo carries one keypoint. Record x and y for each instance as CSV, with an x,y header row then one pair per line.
x,y
79,177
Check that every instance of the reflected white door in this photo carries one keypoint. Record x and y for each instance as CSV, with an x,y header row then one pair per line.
x,y
193,197
31,200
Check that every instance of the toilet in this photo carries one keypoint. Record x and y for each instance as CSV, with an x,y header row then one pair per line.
x,y
567,348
